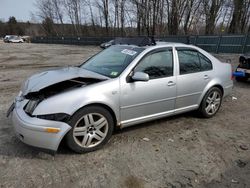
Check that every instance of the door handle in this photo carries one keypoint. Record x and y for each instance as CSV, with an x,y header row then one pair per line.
x,y
171,83
206,77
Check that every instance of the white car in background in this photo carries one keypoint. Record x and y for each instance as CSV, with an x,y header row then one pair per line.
x,y
14,39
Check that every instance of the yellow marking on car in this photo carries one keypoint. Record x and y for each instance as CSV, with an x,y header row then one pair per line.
x,y
52,130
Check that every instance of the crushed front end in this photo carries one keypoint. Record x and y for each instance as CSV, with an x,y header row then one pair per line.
x,y
34,131
45,130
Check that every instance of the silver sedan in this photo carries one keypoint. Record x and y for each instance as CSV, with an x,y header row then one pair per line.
x,y
121,86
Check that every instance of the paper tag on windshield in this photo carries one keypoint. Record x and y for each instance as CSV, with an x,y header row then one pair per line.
x,y
113,73
129,52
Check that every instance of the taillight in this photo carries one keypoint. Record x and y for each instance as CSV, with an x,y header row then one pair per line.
x,y
232,75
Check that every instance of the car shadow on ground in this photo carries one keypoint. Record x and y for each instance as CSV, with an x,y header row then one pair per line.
x,y
245,84
63,149
192,114
13,147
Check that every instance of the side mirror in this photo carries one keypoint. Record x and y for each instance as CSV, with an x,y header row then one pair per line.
x,y
140,76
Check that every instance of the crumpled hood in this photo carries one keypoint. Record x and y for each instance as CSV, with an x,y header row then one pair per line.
x,y
47,78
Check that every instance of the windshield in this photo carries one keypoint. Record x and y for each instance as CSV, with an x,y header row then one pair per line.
x,y
112,61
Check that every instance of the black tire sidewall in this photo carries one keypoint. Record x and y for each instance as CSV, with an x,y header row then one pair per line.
x,y
203,103
86,110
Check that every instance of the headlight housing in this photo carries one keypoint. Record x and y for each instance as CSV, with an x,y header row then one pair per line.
x,y
30,106
55,117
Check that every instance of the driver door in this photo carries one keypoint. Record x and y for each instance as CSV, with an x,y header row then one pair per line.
x,y
145,100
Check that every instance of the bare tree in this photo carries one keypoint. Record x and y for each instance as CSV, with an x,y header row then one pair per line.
x,y
45,9
211,9
145,17
237,13
103,6
190,11
58,10
73,8
122,17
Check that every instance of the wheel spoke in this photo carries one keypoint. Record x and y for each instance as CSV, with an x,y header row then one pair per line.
x,y
209,100
89,141
100,133
86,120
80,131
214,95
98,122
91,120
208,108
97,137
213,109
99,126
217,101
85,140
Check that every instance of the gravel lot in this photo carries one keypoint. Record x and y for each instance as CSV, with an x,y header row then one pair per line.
x,y
182,151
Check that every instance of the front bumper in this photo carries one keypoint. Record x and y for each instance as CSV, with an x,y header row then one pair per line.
x,y
32,131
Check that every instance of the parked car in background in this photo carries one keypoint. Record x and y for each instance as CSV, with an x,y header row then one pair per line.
x,y
121,86
107,44
7,37
242,72
26,39
129,40
15,39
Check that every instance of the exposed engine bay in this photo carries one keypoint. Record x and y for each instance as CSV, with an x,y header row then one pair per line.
x,y
36,97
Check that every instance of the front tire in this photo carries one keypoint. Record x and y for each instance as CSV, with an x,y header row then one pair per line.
x,y
211,103
92,127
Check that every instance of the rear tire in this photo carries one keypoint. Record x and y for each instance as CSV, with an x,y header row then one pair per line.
x,y
211,103
92,127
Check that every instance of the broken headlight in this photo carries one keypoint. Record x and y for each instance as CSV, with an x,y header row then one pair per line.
x,y
30,106
55,117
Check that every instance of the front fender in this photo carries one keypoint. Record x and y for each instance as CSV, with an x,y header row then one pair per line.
x,y
106,93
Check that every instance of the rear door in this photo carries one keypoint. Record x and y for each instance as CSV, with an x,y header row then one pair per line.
x,y
195,71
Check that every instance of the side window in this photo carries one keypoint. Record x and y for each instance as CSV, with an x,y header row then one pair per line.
x,y
191,61
206,64
157,65
188,61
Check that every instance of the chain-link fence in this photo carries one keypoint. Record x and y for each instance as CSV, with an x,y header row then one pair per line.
x,y
215,44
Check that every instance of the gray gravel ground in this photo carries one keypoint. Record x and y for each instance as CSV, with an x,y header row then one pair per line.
x,y
182,151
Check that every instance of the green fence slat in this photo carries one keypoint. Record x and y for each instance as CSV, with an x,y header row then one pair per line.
x,y
214,43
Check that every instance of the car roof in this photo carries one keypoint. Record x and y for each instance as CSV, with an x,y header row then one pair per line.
x,y
161,45
146,42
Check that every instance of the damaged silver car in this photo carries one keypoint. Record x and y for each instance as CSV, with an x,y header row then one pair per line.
x,y
121,86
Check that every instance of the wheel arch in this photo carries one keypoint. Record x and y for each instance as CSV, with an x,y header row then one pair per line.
x,y
219,86
108,108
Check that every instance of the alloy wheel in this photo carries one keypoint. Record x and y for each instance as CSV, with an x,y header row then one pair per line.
x,y
90,130
213,102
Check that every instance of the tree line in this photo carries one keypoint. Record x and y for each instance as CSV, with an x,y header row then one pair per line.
x,y
142,17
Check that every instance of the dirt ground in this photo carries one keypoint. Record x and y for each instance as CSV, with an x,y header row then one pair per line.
x,y
182,151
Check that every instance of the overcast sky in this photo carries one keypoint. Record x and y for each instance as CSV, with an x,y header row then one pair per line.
x,y
21,9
